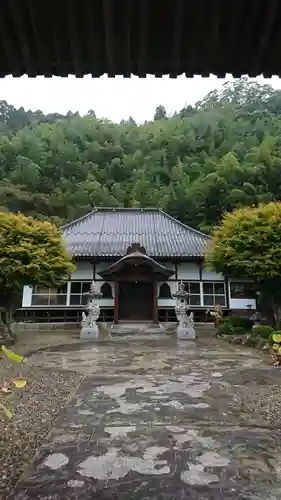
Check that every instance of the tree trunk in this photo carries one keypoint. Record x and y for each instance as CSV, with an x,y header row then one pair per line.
x,y
6,318
276,309
4,332
10,303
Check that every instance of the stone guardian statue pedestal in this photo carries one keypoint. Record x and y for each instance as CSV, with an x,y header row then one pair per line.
x,y
90,329
185,328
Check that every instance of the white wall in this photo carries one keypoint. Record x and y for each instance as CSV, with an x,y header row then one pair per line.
x,y
242,303
166,302
169,265
26,296
188,271
105,302
172,284
84,271
100,267
211,276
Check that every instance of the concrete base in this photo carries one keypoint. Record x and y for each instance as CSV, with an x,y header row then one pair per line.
x,y
185,333
137,327
90,333
27,326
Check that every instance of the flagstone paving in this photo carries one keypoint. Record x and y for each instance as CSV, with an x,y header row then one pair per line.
x,y
162,420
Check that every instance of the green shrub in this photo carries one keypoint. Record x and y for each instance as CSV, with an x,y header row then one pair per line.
x,y
274,335
276,332
224,329
254,341
261,343
242,321
263,331
238,330
276,348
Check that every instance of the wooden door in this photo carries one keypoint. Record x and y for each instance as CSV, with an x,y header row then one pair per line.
x,y
136,300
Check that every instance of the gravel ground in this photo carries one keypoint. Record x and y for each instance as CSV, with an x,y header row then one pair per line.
x,y
264,400
35,409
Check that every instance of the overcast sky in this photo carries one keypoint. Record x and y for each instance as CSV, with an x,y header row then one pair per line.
x,y
113,98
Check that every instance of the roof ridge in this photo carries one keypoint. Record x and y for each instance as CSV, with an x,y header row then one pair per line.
x,y
130,209
183,225
111,209
65,226
134,209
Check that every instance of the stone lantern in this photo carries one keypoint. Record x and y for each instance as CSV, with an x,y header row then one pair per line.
x,y
90,329
185,328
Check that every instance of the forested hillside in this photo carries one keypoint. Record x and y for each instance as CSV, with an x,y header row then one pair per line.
x,y
223,152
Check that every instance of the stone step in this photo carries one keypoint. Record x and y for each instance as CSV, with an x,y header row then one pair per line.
x,y
136,326
119,330
139,336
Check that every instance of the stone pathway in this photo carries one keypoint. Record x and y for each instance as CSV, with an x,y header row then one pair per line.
x,y
162,420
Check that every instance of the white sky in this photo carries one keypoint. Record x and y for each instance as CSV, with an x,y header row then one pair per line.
x,y
113,98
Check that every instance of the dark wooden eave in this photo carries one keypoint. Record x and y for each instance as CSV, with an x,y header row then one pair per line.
x,y
136,258
124,37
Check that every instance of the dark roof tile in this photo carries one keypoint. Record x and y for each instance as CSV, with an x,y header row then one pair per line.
x,y
107,232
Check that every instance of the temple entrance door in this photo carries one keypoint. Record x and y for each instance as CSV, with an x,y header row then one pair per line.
x,y
136,300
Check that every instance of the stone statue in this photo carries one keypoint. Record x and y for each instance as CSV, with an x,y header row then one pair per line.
x,y
185,328
90,329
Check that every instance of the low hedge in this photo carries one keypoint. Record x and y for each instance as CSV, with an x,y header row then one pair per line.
x,y
242,321
263,331
239,330
224,329
277,332
238,325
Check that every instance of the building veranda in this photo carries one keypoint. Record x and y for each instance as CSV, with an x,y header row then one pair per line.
x,y
137,257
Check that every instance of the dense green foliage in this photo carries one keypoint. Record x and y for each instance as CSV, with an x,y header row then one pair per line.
x,y
276,348
247,243
264,331
222,153
224,329
230,325
31,252
239,321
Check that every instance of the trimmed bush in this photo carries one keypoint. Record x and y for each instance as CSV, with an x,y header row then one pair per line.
x,y
261,343
263,331
276,348
254,341
238,330
242,321
276,332
224,329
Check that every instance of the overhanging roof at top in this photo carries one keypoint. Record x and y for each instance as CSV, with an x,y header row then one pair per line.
x,y
124,37
108,232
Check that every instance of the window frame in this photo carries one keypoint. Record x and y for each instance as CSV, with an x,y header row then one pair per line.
x,y
50,293
187,284
251,295
82,301
214,294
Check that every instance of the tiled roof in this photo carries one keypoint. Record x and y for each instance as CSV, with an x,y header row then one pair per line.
x,y
107,232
